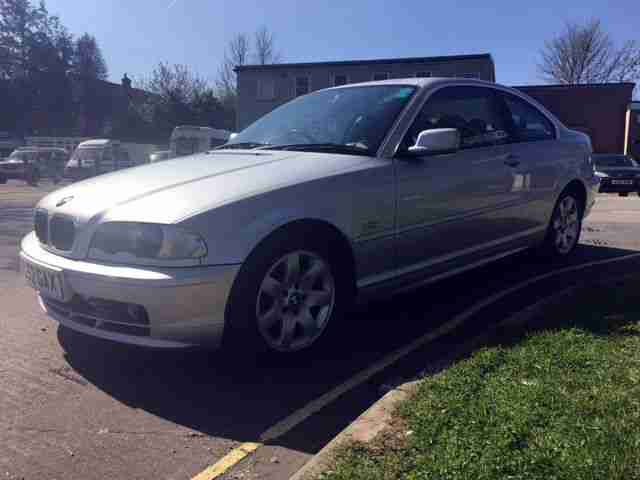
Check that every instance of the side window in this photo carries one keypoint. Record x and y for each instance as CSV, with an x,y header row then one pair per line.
x,y
529,124
125,161
471,110
107,160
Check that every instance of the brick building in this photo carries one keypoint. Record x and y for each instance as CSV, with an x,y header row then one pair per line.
x,y
600,110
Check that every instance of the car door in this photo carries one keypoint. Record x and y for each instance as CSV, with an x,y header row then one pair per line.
x,y
534,146
456,204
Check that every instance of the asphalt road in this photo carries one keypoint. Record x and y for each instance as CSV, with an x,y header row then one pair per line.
x,y
73,407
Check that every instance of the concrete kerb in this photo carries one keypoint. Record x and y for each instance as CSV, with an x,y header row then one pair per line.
x,y
378,417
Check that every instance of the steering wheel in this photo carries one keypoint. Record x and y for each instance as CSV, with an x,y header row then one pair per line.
x,y
293,132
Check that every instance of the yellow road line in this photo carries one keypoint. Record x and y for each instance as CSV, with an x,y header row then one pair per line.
x,y
297,417
228,461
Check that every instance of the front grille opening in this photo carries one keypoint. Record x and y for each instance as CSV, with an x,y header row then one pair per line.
x,y
119,312
41,220
102,314
63,232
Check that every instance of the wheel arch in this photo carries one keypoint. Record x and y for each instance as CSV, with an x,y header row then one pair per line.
x,y
579,188
337,239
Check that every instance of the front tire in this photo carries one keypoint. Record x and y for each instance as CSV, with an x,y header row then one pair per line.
x,y
287,294
624,194
563,232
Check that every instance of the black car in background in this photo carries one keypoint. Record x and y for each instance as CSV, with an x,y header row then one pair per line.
x,y
618,174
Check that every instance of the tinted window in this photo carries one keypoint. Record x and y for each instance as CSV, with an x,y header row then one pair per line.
x,y
529,124
471,110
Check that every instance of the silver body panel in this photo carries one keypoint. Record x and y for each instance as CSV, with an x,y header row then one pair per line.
x,y
431,217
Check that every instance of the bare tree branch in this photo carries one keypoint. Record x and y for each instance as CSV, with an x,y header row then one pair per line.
x,y
585,53
237,53
265,47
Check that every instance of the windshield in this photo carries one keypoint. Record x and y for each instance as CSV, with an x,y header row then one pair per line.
x,y
24,155
355,117
615,161
85,156
185,145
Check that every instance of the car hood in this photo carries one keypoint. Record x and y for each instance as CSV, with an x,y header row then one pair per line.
x,y
619,171
5,161
172,190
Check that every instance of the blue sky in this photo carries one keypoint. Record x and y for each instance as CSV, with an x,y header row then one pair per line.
x,y
136,34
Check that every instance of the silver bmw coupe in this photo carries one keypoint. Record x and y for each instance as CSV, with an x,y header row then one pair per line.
x,y
266,241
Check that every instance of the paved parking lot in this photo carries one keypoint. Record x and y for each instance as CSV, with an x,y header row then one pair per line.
x,y
73,407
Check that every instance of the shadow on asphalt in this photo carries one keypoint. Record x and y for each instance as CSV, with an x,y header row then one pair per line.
x,y
222,396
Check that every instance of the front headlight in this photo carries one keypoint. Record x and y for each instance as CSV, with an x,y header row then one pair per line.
x,y
601,174
137,242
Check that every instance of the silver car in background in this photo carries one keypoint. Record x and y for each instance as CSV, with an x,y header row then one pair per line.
x,y
266,241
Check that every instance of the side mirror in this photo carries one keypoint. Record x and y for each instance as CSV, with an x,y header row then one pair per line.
x,y
436,141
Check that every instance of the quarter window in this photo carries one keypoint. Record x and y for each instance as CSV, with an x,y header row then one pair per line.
x,y
470,110
302,86
529,124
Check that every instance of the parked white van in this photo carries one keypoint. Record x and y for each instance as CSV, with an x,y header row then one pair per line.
x,y
188,139
95,157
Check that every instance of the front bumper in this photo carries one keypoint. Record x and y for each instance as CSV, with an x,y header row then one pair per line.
x,y
607,185
184,306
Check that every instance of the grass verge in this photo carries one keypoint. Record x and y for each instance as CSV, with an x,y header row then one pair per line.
x,y
558,402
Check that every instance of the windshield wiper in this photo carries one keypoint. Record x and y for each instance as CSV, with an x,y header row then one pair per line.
x,y
247,145
322,147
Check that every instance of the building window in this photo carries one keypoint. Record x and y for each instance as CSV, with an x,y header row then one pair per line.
x,y
302,86
423,74
381,76
469,75
340,80
266,89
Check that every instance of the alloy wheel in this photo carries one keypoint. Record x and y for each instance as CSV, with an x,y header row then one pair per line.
x,y
566,225
295,301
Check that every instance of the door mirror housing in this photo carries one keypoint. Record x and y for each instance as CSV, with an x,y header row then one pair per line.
x,y
436,141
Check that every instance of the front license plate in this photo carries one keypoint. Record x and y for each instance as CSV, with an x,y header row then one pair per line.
x,y
622,182
47,281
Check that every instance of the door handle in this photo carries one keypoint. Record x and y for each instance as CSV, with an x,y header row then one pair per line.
x,y
512,160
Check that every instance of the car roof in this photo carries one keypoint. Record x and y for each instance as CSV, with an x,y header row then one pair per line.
x,y
422,82
98,142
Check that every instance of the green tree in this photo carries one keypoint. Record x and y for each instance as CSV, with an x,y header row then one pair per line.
x,y
87,58
178,96
35,55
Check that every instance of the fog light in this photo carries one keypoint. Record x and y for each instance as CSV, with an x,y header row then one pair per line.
x,y
138,314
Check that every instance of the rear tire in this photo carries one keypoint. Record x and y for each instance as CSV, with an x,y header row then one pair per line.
x,y
3,180
565,226
624,194
288,294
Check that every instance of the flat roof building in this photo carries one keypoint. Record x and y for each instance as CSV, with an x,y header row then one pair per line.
x,y
261,88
